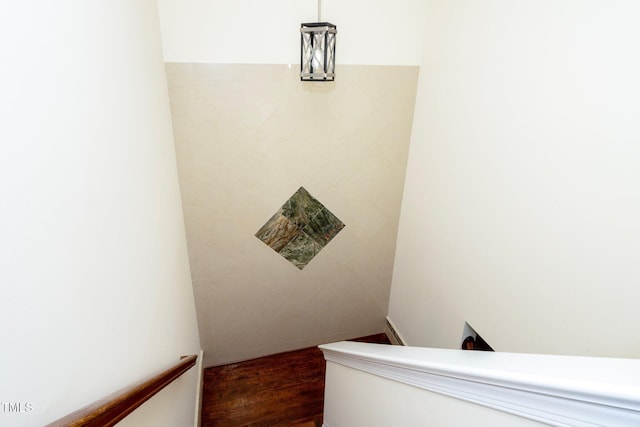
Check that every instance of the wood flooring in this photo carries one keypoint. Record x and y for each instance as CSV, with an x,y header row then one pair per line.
x,y
285,389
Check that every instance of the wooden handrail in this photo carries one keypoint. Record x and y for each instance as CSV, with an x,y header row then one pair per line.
x,y
114,407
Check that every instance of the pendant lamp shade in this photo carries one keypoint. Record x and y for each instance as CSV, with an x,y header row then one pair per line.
x,y
317,51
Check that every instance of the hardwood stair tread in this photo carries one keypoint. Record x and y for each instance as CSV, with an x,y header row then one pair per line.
x,y
285,389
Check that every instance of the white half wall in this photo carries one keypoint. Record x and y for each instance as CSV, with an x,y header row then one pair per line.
x,y
96,290
521,204
372,32
358,399
372,384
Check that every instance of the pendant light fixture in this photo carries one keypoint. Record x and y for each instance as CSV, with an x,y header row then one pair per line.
x,y
317,50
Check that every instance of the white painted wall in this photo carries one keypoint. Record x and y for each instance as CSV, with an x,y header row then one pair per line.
x,y
374,32
521,205
95,284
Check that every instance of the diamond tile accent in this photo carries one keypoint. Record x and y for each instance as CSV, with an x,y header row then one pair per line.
x,y
300,229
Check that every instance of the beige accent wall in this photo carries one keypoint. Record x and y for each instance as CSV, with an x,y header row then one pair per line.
x,y
521,210
247,137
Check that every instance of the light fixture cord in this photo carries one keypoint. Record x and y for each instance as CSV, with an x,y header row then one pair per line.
x,y
319,10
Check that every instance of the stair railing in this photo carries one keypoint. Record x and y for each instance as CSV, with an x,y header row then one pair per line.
x,y
116,406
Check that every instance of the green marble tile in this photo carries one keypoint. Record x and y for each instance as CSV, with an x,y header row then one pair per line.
x,y
301,207
323,227
278,232
300,229
301,250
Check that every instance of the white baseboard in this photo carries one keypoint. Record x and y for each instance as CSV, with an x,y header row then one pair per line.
x,y
199,388
392,333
